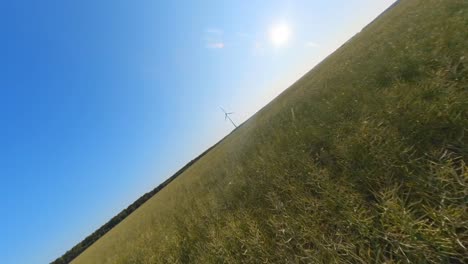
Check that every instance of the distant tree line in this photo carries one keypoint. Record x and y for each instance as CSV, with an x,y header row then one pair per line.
x,y
88,241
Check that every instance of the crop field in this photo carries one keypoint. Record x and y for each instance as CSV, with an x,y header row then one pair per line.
x,y
362,160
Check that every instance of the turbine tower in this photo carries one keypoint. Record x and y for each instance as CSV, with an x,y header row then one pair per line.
x,y
226,116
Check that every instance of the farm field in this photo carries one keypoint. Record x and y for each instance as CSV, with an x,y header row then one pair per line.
x,y
362,160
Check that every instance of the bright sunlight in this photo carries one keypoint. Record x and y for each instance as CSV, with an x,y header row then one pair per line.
x,y
280,34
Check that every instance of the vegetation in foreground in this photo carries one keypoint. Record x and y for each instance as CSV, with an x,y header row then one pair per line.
x,y
363,160
89,240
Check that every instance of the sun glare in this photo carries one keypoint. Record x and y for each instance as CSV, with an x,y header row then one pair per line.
x,y
279,34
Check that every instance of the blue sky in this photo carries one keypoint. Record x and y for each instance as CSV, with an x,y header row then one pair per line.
x,y
100,101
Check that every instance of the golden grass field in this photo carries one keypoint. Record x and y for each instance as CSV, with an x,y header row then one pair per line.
x,y
362,160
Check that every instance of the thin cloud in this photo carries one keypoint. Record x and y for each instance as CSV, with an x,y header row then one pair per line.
x,y
215,45
213,38
214,31
312,44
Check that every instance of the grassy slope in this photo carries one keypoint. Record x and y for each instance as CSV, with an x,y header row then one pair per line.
x,y
361,161
89,240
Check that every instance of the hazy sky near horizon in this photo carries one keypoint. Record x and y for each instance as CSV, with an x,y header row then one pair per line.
x,y
100,101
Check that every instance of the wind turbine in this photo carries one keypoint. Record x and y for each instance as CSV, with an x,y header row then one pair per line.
x,y
226,116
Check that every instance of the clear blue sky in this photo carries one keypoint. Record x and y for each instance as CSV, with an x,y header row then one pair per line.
x,y
100,101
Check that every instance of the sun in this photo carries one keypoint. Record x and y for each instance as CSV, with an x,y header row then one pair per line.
x,y
279,34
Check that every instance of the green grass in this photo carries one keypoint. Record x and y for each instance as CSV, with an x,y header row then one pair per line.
x,y
363,160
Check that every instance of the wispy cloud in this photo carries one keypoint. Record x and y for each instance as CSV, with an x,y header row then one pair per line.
x,y
214,38
214,31
215,45
312,44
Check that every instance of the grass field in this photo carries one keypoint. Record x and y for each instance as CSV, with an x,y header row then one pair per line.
x,y
363,160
